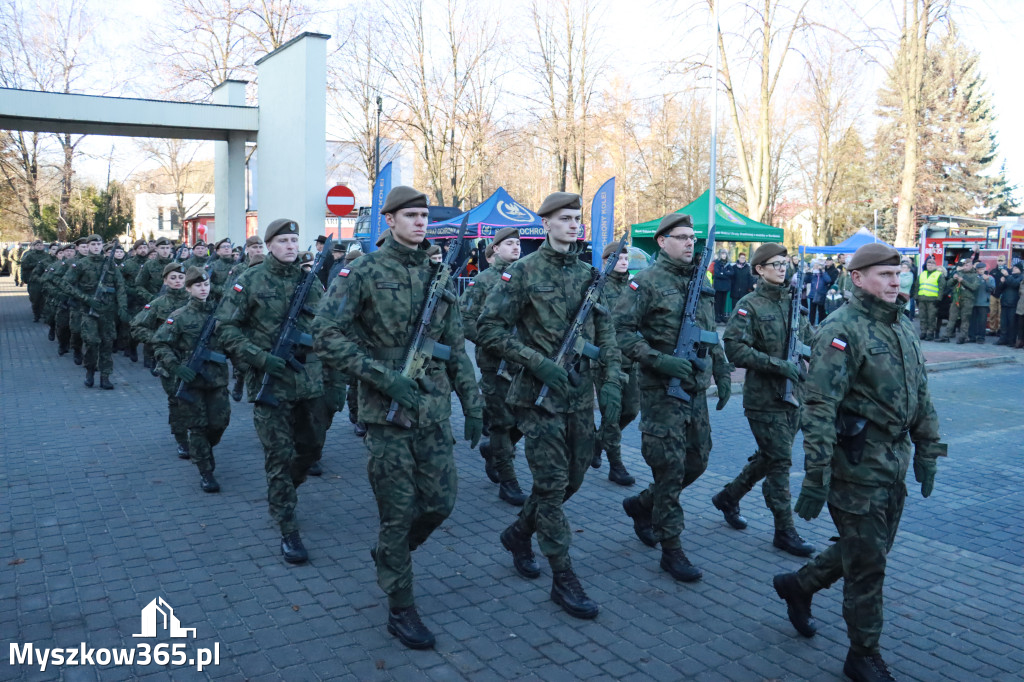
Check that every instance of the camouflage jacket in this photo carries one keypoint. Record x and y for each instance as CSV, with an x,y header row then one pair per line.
x,y
251,316
648,321
196,262
965,290
29,261
614,289
472,304
539,296
757,339
174,341
132,267
151,278
238,268
82,282
219,269
866,362
41,266
366,322
155,313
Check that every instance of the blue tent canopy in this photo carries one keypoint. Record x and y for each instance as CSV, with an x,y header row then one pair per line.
x,y
855,241
497,211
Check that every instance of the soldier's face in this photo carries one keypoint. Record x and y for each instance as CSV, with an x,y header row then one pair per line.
x,y
436,258
95,248
175,280
142,250
37,247
882,281
408,226
774,270
508,250
679,243
224,249
82,249
53,251
200,290
622,263
563,226
199,251
284,247
118,254
254,250
163,251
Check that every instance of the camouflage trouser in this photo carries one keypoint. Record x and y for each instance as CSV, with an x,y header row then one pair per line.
x,y
75,322
208,417
995,308
412,473
559,448
292,435
928,310
62,321
867,523
36,298
774,432
98,334
609,436
353,401
501,421
675,442
177,415
334,398
963,314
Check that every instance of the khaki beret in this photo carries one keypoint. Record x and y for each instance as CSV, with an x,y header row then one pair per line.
x,y
93,238
253,240
279,227
609,249
873,254
194,275
38,241
163,241
80,241
767,251
256,259
559,200
489,251
352,255
383,237
140,242
304,257
174,267
503,234
671,221
403,197
433,250
221,242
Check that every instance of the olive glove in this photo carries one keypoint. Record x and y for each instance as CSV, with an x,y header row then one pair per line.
x,y
669,365
924,473
474,429
724,386
812,499
790,370
609,398
554,376
273,365
401,388
185,373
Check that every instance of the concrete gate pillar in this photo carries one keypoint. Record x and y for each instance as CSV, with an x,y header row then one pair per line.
x,y
229,170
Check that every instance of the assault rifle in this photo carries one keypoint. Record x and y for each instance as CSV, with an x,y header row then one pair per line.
x,y
573,347
692,340
290,338
108,262
503,365
795,349
201,354
422,348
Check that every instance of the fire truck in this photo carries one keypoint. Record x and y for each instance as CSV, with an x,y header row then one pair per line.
x,y
950,239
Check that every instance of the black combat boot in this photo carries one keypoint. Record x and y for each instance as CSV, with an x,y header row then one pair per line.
x,y
105,382
292,548
675,563
942,339
359,429
52,334
788,541
90,375
567,592
730,509
183,451
315,469
798,603
522,552
63,350
489,469
208,483
512,493
618,474
641,521
78,356
405,624
866,668
236,390
596,461
133,352
147,363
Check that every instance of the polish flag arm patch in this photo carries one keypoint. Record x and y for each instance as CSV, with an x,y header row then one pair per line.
x,y
741,312
170,320
634,286
506,276
343,272
237,287
147,306
471,283
839,344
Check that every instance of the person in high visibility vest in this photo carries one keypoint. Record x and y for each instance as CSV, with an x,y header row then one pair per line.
x,y
929,292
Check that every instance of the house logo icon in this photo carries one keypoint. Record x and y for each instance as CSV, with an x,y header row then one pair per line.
x,y
158,613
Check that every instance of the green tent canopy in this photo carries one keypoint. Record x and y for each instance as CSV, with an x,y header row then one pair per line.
x,y
730,225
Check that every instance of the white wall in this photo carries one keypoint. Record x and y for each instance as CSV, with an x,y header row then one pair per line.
x,y
147,213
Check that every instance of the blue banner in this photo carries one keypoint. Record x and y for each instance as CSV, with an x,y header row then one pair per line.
x,y
602,221
380,191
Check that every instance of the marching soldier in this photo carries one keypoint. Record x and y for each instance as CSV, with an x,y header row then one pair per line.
x,y
675,435
219,268
291,432
133,265
75,313
102,303
538,297
253,256
200,255
756,338
148,283
364,326
209,411
144,326
37,252
499,451
866,400
35,283
609,437
49,287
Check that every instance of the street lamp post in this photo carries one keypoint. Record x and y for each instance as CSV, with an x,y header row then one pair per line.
x,y
376,162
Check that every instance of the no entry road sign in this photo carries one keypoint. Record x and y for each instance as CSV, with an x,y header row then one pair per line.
x,y
340,200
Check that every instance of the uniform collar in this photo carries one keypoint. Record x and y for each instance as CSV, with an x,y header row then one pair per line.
x,y
199,306
281,269
874,307
403,254
676,267
618,276
557,257
500,265
774,292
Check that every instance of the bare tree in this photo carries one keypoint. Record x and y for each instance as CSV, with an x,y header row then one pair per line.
x,y
272,23
177,160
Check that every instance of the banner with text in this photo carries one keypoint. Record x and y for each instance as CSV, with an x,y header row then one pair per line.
x,y
380,191
602,221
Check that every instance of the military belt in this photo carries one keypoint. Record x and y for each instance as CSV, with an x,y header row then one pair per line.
x,y
393,353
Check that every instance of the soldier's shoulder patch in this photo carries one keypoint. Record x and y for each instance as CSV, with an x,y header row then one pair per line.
x,y
742,312
238,287
470,283
74,265
634,285
838,344
343,272
506,276
146,307
170,320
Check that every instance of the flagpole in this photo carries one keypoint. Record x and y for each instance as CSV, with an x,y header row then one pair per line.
x,y
712,203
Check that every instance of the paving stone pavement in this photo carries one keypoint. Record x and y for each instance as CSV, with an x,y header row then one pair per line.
x,y
98,517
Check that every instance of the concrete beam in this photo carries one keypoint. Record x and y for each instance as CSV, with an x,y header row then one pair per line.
x,y
229,170
95,115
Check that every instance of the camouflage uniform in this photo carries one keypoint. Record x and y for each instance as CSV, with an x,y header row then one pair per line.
x,y
866,362
675,435
498,415
363,326
609,436
292,433
107,299
29,261
150,278
538,297
49,291
144,326
197,262
219,269
756,339
209,414
61,305
962,306
38,283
